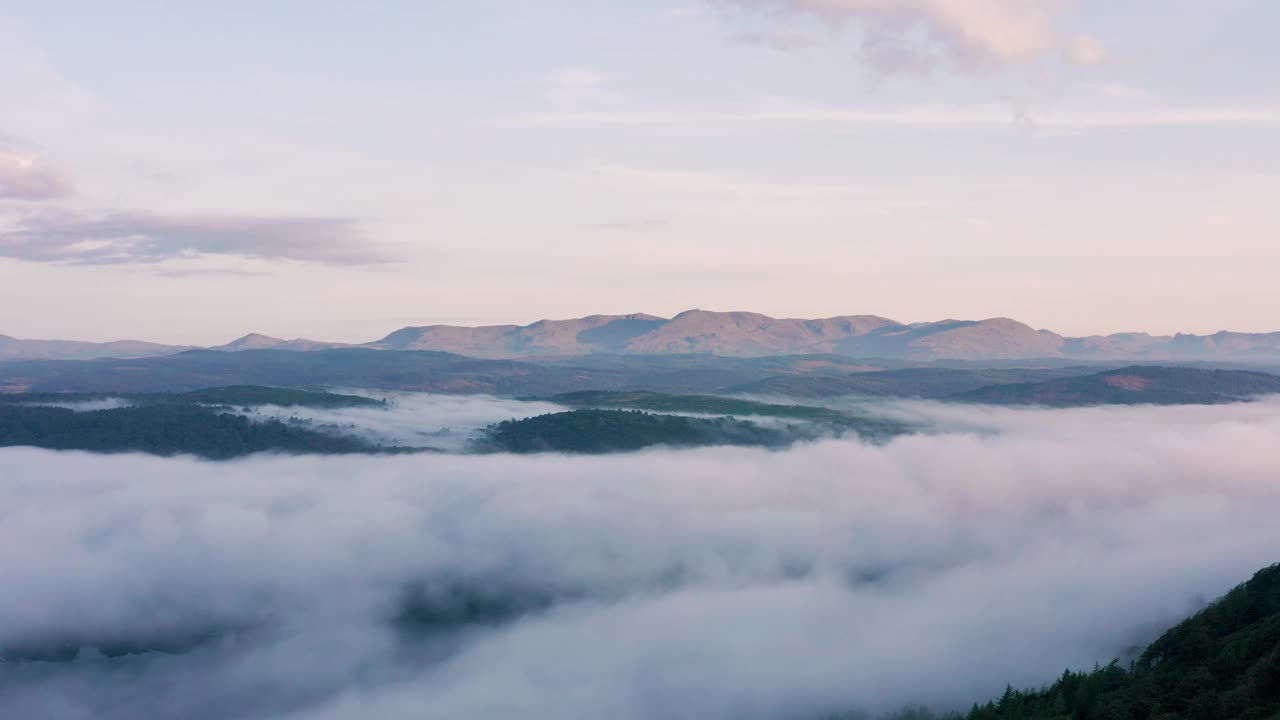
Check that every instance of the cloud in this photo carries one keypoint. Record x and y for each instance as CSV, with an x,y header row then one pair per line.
x,y
29,177
580,86
707,584
71,237
1087,50
1120,91
638,225
685,11
443,422
787,117
175,272
916,36
713,183
777,39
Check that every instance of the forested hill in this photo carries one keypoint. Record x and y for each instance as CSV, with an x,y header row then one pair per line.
x,y
833,422
1221,664
234,395
1132,386
603,431
165,429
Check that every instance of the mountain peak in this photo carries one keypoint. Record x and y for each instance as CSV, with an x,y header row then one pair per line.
x,y
258,341
252,341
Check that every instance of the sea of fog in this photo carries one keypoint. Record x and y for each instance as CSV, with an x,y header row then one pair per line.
x,y
1002,547
443,422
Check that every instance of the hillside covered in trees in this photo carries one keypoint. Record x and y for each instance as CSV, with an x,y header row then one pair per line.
x,y
1221,664
1130,386
234,395
602,431
822,419
165,429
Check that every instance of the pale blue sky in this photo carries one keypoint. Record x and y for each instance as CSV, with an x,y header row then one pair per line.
x,y
188,172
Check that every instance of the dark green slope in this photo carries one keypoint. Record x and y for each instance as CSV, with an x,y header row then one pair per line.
x,y
706,404
931,382
822,419
165,429
198,369
603,431
1221,664
403,370
1132,386
235,395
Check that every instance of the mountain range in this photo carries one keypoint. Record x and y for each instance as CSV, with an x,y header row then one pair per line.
x,y
734,334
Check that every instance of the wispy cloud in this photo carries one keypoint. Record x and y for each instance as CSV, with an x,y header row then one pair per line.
x,y
1119,91
713,183
915,36
203,272
685,11
787,116
777,39
580,86
142,237
30,177
640,225
1087,50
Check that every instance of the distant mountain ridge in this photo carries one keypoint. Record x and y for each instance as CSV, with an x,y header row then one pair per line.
x,y
737,334
15,349
255,341
746,334
1150,385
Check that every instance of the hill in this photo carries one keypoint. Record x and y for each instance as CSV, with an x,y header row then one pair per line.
x,y
737,334
704,404
255,341
198,369
834,421
926,382
236,395
746,334
407,370
15,349
604,431
751,334
1132,386
165,429
1221,664
595,333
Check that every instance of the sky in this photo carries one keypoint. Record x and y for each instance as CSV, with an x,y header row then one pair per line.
x,y
188,173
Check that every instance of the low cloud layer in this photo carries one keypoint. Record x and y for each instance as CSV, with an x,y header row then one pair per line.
x,y
916,36
720,583
442,422
66,236
29,177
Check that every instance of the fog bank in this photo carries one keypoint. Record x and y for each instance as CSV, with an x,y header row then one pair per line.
x,y
717,583
413,419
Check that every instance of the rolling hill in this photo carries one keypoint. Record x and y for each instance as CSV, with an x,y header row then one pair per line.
x,y
746,334
15,349
1221,664
925,382
418,370
738,334
256,341
606,431
1132,386
166,429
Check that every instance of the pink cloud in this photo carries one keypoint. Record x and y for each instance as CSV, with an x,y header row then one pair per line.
x,y
911,36
29,177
